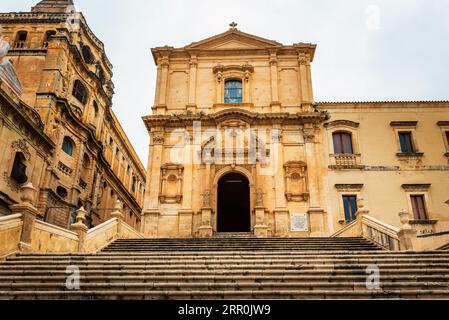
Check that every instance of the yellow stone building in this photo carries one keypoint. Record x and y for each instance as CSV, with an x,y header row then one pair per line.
x,y
61,133
238,144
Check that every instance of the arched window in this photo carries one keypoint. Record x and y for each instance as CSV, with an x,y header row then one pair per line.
x,y
134,184
48,34
87,55
233,91
19,167
100,73
21,38
68,146
342,143
80,92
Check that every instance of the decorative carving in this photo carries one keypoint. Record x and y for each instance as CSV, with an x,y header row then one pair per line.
x,y
233,26
21,146
338,123
206,199
171,183
296,186
259,197
158,138
303,58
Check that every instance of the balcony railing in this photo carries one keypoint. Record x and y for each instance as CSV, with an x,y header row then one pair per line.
x,y
65,169
346,160
20,45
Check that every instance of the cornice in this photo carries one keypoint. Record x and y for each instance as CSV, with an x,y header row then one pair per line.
x,y
27,116
233,113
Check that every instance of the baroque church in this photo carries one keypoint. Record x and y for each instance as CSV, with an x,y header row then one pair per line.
x,y
253,189
239,144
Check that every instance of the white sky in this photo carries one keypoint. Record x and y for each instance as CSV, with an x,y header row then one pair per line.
x,y
367,50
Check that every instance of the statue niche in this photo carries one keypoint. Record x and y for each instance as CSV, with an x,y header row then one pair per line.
x,y
171,183
296,188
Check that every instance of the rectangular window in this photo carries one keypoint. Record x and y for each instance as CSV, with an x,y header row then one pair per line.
x,y
342,143
419,207
350,206
405,139
447,137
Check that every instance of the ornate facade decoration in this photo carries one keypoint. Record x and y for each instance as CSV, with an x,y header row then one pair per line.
x,y
296,184
171,183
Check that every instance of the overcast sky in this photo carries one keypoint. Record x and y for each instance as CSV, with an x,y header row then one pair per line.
x,y
367,50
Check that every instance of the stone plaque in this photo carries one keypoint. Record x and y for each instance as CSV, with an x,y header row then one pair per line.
x,y
300,222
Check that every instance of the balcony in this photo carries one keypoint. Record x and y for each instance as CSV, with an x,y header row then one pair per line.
x,y
20,45
64,169
346,161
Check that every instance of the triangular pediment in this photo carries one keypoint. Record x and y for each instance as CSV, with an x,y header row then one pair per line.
x,y
233,39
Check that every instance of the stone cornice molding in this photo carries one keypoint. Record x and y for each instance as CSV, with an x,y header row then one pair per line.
x,y
233,113
416,187
345,123
404,123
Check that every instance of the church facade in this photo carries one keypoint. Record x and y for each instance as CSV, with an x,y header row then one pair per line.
x,y
239,144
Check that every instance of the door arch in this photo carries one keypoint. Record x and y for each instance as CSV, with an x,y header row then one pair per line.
x,y
233,203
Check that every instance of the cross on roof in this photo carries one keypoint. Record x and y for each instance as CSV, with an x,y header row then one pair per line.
x,y
233,25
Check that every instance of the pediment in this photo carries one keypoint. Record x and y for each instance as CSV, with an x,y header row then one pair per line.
x,y
233,39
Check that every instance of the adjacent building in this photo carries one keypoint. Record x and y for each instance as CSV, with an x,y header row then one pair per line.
x,y
62,134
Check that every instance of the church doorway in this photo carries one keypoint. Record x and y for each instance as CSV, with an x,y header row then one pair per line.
x,y
233,206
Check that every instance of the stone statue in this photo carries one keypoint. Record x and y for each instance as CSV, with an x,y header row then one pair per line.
x,y
7,72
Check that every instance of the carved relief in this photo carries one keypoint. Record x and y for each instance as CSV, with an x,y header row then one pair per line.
x,y
171,183
296,189
158,138
21,146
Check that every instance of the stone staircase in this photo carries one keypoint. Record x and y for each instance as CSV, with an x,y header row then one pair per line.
x,y
229,268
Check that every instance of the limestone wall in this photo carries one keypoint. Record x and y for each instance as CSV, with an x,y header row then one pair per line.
x,y
10,230
50,238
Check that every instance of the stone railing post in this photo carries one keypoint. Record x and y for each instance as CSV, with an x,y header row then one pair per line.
x,y
361,211
29,213
206,230
117,213
80,228
406,234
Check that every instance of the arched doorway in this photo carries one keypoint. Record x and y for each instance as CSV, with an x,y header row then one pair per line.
x,y
233,204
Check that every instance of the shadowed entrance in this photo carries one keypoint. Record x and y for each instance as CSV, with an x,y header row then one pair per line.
x,y
233,205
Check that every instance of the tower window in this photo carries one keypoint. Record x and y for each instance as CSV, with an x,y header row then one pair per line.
x,y
343,143
21,38
419,207
87,55
68,146
233,91
134,184
406,142
19,167
80,92
48,34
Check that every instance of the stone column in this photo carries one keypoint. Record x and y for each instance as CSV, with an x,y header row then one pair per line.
x,y
304,78
80,228
260,228
191,106
186,213
275,104
318,221
150,215
161,107
29,213
206,229
281,213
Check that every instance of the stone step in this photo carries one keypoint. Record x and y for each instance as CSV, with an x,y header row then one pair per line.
x,y
212,294
310,286
215,261
235,272
221,266
105,278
